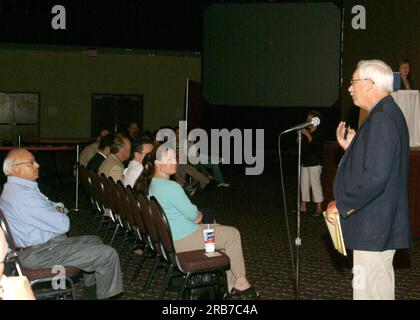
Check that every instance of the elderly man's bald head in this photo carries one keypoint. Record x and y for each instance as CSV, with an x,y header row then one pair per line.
x,y
21,163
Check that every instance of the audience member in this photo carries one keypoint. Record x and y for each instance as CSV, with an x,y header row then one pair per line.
x,y
39,228
312,148
113,165
406,82
133,132
104,150
186,169
184,220
147,134
135,167
202,166
90,150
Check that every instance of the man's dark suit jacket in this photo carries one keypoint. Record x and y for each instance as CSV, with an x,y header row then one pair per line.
x,y
371,182
95,162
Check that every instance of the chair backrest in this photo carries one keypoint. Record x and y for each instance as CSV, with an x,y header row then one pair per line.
x,y
143,186
123,205
148,222
10,241
164,230
135,210
6,229
113,194
85,180
96,190
110,197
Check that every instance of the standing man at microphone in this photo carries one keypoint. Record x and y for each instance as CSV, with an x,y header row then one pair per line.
x,y
370,187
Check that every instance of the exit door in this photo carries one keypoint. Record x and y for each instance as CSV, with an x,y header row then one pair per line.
x,y
19,115
115,112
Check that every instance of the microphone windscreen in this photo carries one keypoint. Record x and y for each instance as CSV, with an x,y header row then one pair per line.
x,y
315,121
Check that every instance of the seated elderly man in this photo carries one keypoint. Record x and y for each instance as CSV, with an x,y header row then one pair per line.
x,y
113,165
39,228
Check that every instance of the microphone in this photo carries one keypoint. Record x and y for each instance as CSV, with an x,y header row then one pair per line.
x,y
346,132
314,122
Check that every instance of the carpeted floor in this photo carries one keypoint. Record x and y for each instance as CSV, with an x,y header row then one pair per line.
x,y
254,205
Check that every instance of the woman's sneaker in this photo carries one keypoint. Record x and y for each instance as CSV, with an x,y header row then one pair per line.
x,y
223,184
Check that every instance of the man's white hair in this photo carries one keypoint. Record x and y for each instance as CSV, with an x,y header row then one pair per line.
x,y
8,165
379,72
10,160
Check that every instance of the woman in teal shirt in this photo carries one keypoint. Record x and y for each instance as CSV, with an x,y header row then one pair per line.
x,y
184,219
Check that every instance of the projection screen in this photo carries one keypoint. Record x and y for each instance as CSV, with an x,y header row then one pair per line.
x,y
272,54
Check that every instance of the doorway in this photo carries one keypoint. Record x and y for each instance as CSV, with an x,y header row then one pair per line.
x,y
19,116
114,112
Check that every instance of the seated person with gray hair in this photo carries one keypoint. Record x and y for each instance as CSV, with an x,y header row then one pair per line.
x,y
39,228
113,165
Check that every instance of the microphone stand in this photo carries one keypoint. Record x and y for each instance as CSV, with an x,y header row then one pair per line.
x,y
298,240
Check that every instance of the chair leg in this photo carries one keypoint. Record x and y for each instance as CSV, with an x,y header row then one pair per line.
x,y
212,290
139,267
73,291
113,236
168,277
129,254
181,291
126,263
60,293
106,230
151,274
124,239
100,225
225,286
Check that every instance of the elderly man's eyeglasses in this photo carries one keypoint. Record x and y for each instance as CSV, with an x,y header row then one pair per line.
x,y
31,162
352,81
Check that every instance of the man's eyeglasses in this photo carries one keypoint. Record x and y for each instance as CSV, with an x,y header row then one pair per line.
x,y
352,81
31,162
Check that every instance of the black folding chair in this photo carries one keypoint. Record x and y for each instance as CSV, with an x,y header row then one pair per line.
x,y
40,276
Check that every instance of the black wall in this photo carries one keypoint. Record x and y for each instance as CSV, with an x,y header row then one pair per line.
x,y
392,33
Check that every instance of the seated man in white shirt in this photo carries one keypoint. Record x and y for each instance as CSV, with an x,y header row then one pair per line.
x,y
135,167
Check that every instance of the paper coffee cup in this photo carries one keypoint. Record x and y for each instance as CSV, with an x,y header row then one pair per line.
x,y
209,239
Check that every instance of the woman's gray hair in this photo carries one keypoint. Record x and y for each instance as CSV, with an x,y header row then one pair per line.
x,y
8,165
379,72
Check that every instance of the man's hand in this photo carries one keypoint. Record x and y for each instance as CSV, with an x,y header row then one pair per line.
x,y
340,133
59,206
331,212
